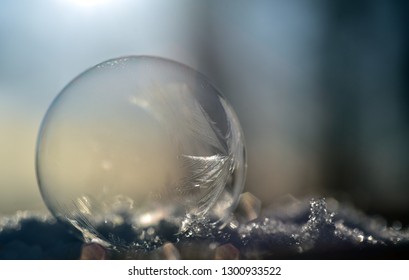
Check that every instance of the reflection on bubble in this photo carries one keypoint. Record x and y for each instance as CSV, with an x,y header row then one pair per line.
x,y
135,140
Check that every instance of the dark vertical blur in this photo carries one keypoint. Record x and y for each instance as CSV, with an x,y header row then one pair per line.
x,y
364,92
321,89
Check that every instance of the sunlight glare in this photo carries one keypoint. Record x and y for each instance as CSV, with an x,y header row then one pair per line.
x,y
89,3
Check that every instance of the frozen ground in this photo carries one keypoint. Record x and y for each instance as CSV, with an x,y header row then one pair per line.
x,y
313,229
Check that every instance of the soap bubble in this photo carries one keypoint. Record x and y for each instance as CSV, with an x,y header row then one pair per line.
x,y
135,141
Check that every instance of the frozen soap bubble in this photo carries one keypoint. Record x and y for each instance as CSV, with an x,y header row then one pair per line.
x,y
138,140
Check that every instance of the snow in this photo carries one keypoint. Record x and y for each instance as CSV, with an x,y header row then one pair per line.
x,y
314,229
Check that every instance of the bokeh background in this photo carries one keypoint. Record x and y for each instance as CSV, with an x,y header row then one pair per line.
x,y
320,87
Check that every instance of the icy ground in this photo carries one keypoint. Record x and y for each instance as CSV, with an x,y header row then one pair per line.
x,y
309,229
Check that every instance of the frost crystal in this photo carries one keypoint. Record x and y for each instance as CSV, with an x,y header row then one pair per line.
x,y
296,229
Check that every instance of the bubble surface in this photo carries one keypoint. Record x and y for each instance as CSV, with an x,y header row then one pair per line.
x,y
138,140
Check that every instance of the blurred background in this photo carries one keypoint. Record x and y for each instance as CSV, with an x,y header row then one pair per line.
x,y
320,87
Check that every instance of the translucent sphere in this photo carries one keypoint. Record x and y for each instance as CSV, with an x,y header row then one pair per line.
x,y
138,140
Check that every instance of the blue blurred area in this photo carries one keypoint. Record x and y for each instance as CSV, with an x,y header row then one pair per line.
x,y
319,87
